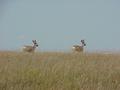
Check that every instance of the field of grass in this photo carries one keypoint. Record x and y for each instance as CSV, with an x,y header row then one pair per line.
x,y
59,71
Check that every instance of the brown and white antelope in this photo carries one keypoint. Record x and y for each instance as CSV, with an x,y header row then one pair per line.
x,y
79,48
30,49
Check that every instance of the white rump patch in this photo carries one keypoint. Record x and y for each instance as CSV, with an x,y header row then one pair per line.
x,y
73,47
24,47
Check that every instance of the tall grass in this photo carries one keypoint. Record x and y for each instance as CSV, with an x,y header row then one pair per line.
x,y
59,71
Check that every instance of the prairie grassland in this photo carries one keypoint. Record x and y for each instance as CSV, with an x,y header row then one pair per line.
x,y
59,71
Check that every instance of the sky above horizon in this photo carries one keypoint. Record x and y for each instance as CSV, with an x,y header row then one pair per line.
x,y
60,24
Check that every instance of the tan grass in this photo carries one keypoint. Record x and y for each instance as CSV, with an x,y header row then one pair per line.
x,y
59,71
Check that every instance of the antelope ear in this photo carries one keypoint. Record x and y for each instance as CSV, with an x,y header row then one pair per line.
x,y
82,40
34,41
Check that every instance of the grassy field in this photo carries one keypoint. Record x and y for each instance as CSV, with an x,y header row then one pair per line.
x,y
59,71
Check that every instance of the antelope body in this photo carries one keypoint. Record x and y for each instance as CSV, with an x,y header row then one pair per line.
x,y
27,48
79,48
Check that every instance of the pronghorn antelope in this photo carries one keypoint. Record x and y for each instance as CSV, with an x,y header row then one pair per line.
x,y
79,48
27,48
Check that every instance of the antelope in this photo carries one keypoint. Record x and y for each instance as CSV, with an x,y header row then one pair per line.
x,y
30,49
79,48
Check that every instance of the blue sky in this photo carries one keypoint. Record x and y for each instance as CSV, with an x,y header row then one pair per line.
x,y
59,24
